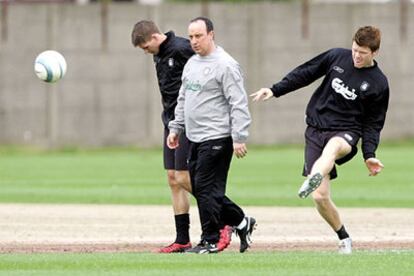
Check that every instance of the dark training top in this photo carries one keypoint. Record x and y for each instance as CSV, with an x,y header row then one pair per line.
x,y
169,64
349,98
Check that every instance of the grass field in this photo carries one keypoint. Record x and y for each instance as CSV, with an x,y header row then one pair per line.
x,y
268,176
288,263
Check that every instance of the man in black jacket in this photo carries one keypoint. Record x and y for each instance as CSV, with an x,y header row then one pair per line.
x,y
170,54
351,103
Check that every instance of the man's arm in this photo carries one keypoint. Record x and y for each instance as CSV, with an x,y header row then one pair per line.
x,y
234,92
375,113
374,166
373,122
299,77
176,126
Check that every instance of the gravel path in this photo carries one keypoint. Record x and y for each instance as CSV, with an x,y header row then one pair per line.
x,y
114,228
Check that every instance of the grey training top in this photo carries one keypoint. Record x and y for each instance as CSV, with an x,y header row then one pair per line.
x,y
212,101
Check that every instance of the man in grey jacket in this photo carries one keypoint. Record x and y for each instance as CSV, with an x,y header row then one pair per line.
x,y
212,107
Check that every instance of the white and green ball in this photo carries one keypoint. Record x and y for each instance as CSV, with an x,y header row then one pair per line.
x,y
50,66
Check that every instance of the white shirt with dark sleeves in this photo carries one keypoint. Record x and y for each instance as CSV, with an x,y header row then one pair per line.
x,y
212,101
349,98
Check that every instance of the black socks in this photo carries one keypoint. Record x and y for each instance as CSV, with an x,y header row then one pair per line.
x,y
182,226
342,234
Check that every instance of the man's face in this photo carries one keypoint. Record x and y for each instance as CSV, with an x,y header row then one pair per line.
x,y
362,56
201,41
151,46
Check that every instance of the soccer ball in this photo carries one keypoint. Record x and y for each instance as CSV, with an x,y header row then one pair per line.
x,y
50,66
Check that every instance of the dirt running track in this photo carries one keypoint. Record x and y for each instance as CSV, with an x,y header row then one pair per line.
x,y
118,228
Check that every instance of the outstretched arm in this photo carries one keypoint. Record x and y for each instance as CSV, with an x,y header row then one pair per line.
x,y
299,77
263,94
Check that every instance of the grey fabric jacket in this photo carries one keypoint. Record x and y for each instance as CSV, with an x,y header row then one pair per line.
x,y
212,101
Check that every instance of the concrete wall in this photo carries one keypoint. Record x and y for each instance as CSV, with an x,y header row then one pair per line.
x,y
110,95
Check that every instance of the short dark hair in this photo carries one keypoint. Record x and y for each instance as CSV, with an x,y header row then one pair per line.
x,y
142,32
207,21
368,36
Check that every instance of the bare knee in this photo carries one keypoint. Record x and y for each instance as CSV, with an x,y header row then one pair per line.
x,y
172,181
322,199
183,180
179,180
337,147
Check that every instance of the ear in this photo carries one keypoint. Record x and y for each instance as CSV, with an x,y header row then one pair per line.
x,y
211,33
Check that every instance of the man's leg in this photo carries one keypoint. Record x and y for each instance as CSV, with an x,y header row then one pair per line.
x,y
231,213
183,180
181,205
177,180
327,209
179,186
325,206
179,183
335,149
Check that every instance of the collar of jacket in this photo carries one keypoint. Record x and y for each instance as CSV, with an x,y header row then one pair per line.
x,y
164,45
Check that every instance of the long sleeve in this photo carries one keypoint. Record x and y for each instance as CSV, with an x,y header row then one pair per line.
x,y
303,75
373,122
235,94
177,125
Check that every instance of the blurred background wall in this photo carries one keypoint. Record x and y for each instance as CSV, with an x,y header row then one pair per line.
x,y
110,96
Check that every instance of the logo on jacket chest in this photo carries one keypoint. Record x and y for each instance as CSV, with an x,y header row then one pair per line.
x,y
339,87
171,62
364,86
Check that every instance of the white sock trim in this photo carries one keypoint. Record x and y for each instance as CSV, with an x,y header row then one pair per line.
x,y
242,224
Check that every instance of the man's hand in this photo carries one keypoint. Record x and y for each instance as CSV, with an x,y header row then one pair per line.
x,y
172,140
374,166
240,149
263,94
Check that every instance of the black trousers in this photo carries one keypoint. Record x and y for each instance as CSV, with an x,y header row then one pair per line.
x,y
209,163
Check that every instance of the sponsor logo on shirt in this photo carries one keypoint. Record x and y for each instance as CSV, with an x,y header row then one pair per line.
x,y
339,87
193,86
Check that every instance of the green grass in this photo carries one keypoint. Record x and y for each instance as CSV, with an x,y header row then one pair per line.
x,y
277,263
268,176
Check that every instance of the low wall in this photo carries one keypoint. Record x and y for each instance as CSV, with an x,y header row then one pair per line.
x,y
110,95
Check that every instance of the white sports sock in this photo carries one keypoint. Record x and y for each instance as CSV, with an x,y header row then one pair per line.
x,y
242,224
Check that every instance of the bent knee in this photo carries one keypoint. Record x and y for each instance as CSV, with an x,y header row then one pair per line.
x,y
320,198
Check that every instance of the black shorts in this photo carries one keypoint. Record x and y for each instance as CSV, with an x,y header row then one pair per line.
x,y
176,159
316,140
